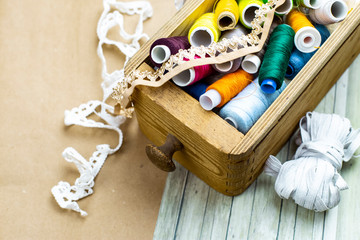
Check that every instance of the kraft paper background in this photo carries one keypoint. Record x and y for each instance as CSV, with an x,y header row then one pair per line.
x,y
48,63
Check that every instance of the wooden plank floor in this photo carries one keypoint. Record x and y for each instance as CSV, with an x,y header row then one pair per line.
x,y
190,209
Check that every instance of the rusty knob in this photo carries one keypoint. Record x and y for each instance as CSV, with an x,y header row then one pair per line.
x,y
162,156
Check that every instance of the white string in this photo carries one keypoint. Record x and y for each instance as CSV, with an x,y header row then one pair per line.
x,y
65,194
312,178
179,4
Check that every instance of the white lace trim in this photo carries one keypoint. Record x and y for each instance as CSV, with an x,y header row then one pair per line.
x,y
65,194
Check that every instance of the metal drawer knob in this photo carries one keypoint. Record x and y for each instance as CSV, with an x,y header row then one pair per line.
x,y
162,156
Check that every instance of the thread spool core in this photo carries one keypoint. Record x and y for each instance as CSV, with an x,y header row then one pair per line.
x,y
338,10
210,99
285,8
289,71
160,54
248,14
231,121
251,63
307,39
224,67
268,86
314,4
184,78
201,36
226,21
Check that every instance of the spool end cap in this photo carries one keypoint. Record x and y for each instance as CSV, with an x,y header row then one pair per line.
x,y
268,86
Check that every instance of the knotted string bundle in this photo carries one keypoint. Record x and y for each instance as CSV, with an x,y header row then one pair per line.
x,y
312,178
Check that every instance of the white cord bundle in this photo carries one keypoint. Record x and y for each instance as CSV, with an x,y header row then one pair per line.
x,y
312,178
65,194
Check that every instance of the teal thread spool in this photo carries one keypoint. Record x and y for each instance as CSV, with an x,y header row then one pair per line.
x,y
276,59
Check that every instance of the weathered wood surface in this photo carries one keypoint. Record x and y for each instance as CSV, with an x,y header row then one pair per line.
x,y
191,210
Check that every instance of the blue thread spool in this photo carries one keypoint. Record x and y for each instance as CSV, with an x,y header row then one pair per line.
x,y
299,59
247,107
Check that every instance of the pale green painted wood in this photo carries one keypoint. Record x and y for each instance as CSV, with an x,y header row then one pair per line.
x,y
349,207
258,213
193,209
216,216
171,204
241,211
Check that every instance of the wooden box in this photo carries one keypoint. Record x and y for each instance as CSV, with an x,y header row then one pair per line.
x,y
213,150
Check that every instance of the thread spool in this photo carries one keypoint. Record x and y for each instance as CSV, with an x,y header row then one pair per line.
x,y
204,31
220,92
330,12
226,14
192,75
248,106
199,88
307,38
276,59
252,62
233,65
247,10
298,59
163,48
284,8
314,4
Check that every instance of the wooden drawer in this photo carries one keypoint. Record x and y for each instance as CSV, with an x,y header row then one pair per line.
x,y
213,150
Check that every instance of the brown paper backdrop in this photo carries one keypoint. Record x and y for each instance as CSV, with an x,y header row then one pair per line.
x,y
48,63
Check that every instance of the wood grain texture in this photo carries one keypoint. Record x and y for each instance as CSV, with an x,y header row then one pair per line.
x,y
259,213
213,150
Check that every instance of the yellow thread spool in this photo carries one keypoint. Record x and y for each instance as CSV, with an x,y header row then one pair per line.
x,y
226,14
204,31
247,10
307,37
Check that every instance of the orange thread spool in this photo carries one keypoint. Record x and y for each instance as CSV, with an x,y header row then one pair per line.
x,y
231,84
297,20
307,37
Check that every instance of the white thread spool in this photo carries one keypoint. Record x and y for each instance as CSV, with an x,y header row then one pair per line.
x,y
285,8
232,65
160,54
330,12
210,99
184,78
248,14
251,63
314,4
201,36
307,39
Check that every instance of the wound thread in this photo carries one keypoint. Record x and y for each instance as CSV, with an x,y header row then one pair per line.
x,y
276,59
220,92
233,65
299,59
204,31
331,11
314,4
247,10
307,38
226,14
163,48
248,106
192,75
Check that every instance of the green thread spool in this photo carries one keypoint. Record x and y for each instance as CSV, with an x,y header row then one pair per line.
x,y
273,68
314,4
285,8
247,10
